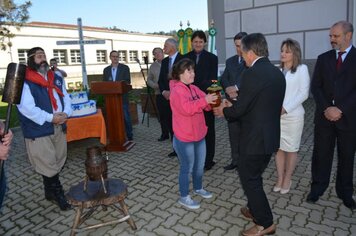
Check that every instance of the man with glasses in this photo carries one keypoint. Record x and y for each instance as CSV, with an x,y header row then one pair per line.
x,y
120,72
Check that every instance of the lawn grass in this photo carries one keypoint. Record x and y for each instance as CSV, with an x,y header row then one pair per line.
x,y
14,121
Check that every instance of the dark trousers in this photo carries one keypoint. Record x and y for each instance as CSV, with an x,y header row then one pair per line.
x,y
210,137
127,120
234,132
2,186
323,153
165,115
251,168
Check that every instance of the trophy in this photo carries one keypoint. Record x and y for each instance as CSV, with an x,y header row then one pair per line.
x,y
215,88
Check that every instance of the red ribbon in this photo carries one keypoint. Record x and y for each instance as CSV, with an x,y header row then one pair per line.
x,y
35,77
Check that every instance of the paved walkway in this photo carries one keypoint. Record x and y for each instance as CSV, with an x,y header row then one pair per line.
x,y
153,193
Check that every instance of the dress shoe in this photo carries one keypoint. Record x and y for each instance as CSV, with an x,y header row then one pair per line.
x,y
209,166
230,167
258,230
172,154
162,138
350,204
246,213
312,199
286,190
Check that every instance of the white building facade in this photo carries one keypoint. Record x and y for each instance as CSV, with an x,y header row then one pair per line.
x,y
307,21
131,46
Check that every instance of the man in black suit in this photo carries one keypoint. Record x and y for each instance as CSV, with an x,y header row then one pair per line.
x,y
230,81
334,90
120,72
206,70
169,48
258,109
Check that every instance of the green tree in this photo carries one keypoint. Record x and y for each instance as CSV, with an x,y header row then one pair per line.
x,y
11,14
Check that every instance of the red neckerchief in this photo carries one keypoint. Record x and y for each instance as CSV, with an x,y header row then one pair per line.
x,y
33,76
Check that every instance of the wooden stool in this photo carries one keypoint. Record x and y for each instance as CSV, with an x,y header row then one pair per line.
x,y
94,197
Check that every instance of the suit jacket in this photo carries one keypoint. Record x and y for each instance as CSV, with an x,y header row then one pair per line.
x,y
122,74
297,91
206,70
258,108
232,72
163,81
153,76
339,87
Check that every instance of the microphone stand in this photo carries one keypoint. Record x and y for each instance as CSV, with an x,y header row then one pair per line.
x,y
148,97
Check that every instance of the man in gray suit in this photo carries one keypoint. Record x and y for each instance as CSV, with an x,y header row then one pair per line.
x,y
230,81
120,72
258,109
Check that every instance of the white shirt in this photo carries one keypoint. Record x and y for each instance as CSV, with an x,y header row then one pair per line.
x,y
113,73
343,56
173,57
28,108
255,61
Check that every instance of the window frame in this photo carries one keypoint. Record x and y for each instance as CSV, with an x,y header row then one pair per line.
x,y
76,57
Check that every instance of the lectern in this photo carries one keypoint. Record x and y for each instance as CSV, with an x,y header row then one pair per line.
x,y
113,92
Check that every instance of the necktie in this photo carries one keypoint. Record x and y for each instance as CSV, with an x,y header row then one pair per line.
x,y
197,59
339,60
170,63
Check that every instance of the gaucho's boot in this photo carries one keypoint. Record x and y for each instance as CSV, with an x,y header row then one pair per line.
x,y
54,192
48,188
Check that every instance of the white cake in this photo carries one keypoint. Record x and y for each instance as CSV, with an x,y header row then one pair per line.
x,y
81,105
79,97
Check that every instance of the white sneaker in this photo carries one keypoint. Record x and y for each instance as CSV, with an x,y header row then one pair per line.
x,y
189,202
203,193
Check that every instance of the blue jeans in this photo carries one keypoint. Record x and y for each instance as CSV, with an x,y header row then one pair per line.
x,y
191,156
2,187
127,120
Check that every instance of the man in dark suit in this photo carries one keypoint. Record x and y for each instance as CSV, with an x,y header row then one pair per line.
x,y
258,108
169,48
206,70
334,90
230,81
120,72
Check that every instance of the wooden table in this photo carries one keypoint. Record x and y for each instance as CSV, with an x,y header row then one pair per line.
x,y
89,200
87,127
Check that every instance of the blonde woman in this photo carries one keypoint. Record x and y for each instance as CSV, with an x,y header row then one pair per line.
x,y
292,114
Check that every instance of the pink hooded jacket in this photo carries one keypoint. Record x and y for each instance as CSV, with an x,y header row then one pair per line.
x,y
187,104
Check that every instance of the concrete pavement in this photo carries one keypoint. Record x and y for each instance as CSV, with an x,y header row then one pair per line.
x,y
152,178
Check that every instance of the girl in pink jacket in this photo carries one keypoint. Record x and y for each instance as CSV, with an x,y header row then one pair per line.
x,y
187,103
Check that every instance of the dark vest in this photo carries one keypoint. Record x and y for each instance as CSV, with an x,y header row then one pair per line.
x,y
31,129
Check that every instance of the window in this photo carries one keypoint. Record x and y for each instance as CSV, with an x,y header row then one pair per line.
x,y
133,55
75,56
22,54
122,56
61,56
101,56
145,54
